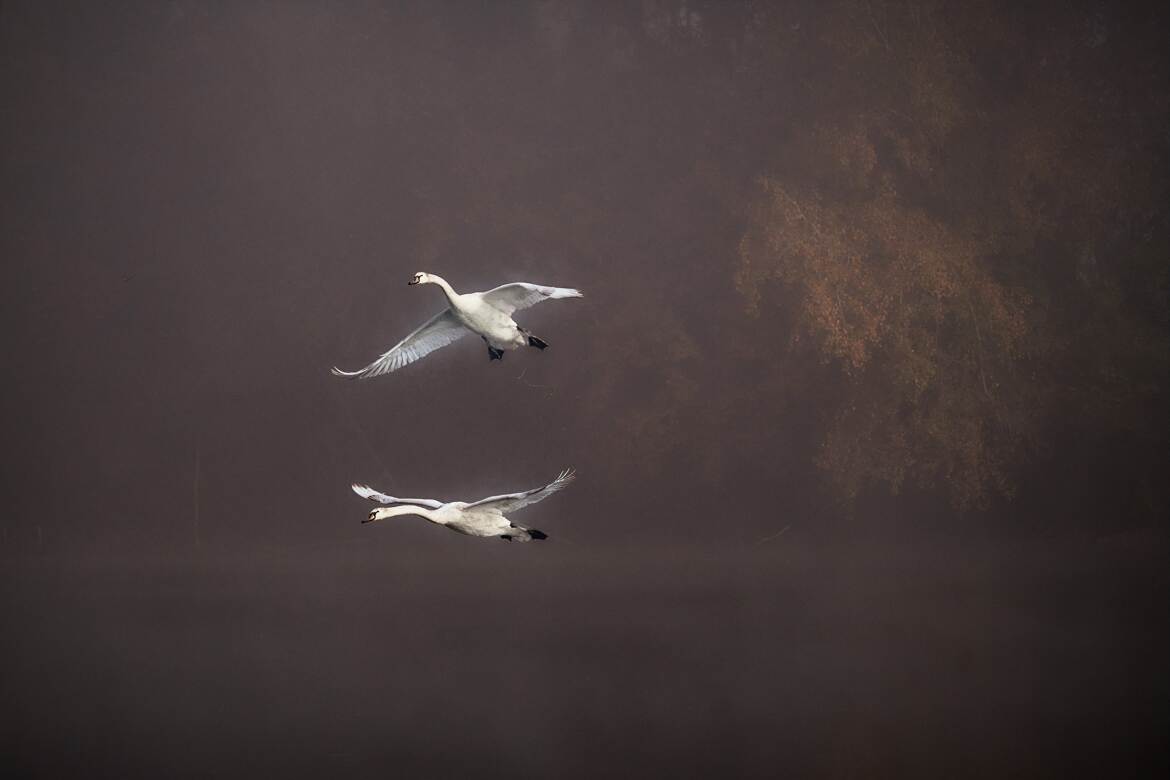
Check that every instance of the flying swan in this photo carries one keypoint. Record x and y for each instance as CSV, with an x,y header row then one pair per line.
x,y
481,518
487,314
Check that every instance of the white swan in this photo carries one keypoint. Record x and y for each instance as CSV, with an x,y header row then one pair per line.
x,y
481,518
487,314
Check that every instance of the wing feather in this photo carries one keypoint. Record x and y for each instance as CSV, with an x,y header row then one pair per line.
x,y
510,502
437,332
365,491
520,295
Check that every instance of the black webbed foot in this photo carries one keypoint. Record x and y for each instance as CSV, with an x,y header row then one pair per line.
x,y
533,341
495,354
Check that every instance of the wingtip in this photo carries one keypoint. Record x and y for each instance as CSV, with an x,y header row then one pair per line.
x,y
563,292
361,373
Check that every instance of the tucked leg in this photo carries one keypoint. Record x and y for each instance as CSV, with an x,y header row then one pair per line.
x,y
493,353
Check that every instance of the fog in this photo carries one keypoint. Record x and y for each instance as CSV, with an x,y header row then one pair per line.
x,y
207,207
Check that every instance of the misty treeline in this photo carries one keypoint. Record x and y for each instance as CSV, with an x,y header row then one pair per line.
x,y
946,232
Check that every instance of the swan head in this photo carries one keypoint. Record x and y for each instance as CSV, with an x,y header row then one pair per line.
x,y
421,278
381,513
376,514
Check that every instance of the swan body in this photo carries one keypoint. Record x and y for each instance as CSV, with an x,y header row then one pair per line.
x,y
486,314
485,517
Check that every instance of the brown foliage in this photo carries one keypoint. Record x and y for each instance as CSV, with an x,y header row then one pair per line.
x,y
915,321
941,290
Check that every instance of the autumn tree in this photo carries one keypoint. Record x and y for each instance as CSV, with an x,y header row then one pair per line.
x,y
968,228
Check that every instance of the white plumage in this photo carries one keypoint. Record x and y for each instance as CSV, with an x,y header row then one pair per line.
x,y
487,314
485,517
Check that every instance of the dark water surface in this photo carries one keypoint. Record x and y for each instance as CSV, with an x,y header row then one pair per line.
x,y
778,659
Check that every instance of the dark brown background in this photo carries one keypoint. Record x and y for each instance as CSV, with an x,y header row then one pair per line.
x,y
206,207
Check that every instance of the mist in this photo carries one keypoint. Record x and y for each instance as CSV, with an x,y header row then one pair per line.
x,y
866,394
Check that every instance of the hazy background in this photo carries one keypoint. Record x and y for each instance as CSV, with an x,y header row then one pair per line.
x,y
866,394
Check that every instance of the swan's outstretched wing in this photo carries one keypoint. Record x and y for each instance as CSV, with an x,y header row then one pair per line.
x,y
366,491
520,295
438,331
510,502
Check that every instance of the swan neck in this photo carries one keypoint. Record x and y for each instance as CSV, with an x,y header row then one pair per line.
x,y
399,511
447,290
